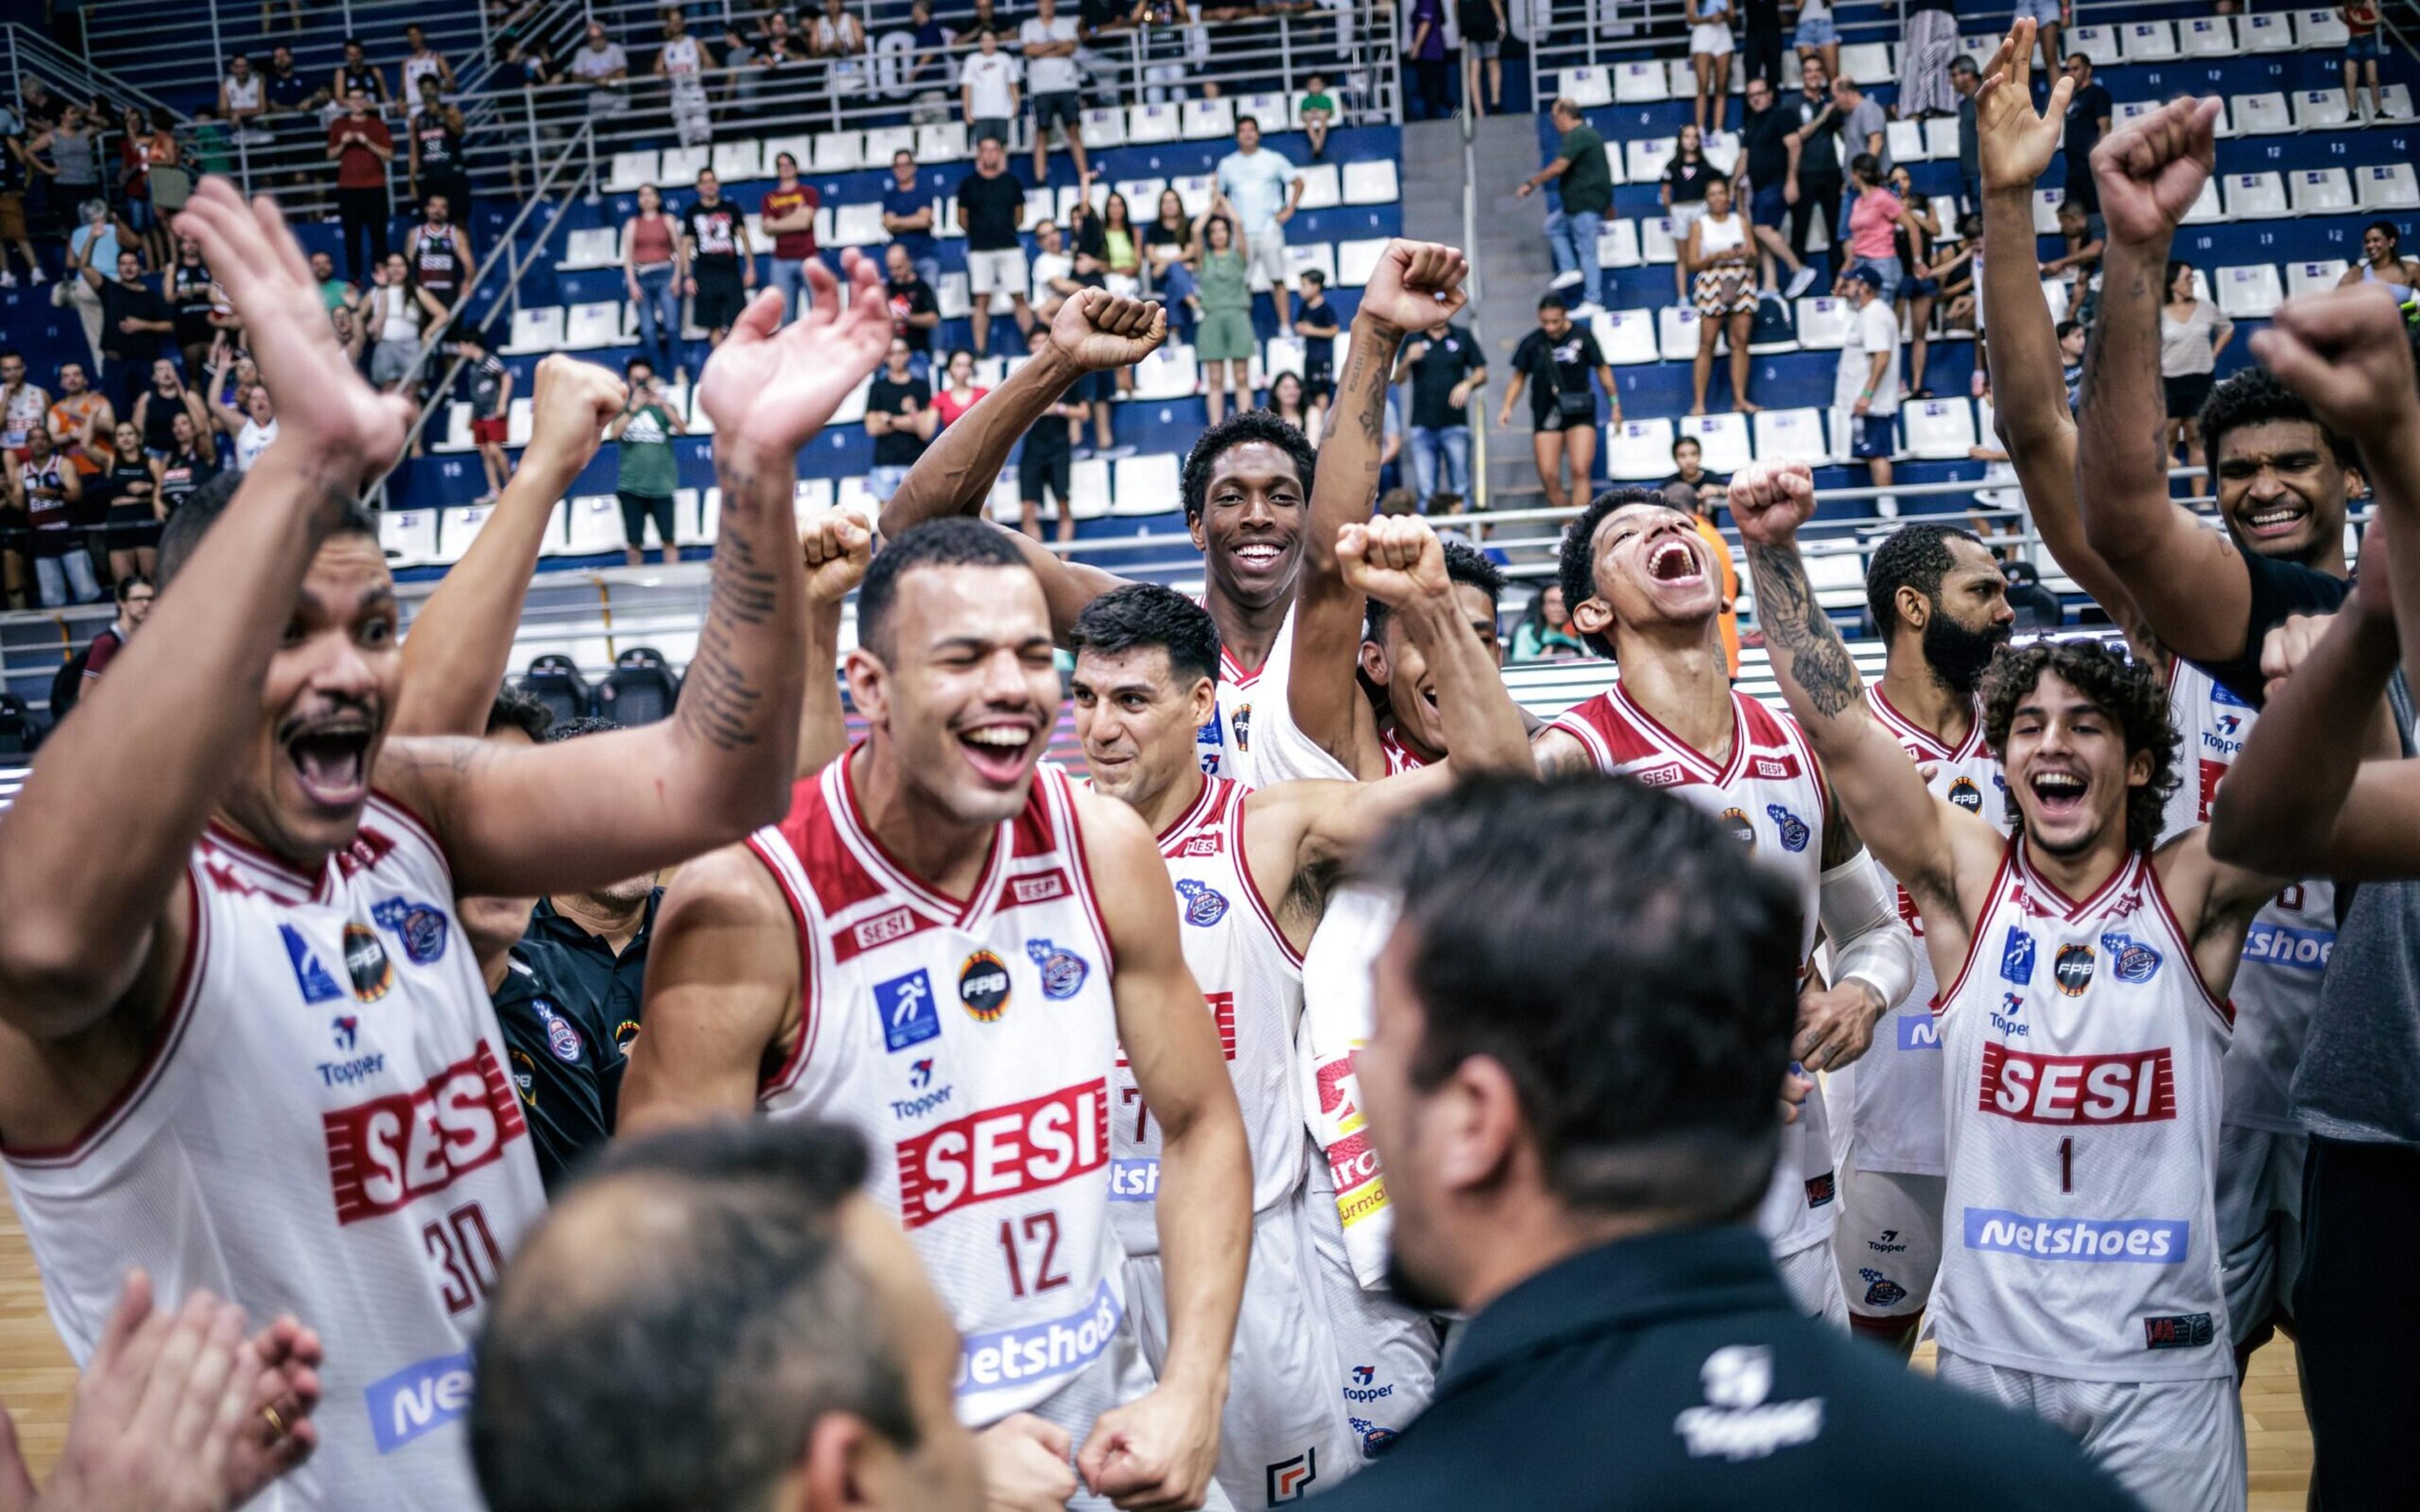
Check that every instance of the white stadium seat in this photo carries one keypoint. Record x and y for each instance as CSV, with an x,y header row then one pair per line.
x,y
520,418
2387,186
738,162
1647,157
1791,435
859,224
812,497
590,247
1938,430
2263,114
1207,121
1087,488
1981,48
1676,333
2250,293
630,170
2206,36
688,519
2099,43
1105,126
535,329
1723,150
1640,83
952,297
1169,373
1040,205
2313,277
1354,261
2320,28
680,166
2046,203
1868,63
2256,196
1656,244
1906,140
1626,337
852,496
596,525
2321,110
1281,354
1588,87
1941,138
2054,295
1153,123
2147,41
1269,110
1315,254
1142,196
1945,214
944,141
2206,206
852,406
408,536
835,152
588,328
1147,484
1193,191
1613,162
2270,32
1371,182
2320,191
2396,97
1005,504
1722,439
1617,244
1837,576
456,432
1823,323
457,529
1322,186
1638,451
882,143
1681,78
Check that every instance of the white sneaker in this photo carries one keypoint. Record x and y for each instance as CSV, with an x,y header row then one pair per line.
x,y
1801,281
38,279
1587,309
1886,505
8,279
1566,280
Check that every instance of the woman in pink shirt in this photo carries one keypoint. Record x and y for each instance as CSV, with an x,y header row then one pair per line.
x,y
1874,221
958,391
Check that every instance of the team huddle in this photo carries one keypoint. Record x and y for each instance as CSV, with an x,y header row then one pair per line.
x,y
1097,1036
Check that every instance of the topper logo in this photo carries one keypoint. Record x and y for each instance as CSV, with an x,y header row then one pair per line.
x,y
1004,1151
387,1154
2139,1086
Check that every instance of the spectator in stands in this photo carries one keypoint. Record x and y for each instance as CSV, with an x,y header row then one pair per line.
x,y
438,251
1121,252
150,141
1761,181
1587,185
72,149
1964,79
293,102
188,461
1865,386
983,18
94,243
1813,181
987,89
915,313
1722,286
646,474
1924,53
1166,243
908,217
2048,15
1682,194
1710,57
654,268
745,63
991,206
248,418
193,296
334,292
1861,123
361,146
787,213
1545,633
2361,56
840,41
2081,263
83,422
241,102
1049,42
1287,403
134,593
720,265
1446,368
900,417
2192,334
1262,190
1046,461
1707,489
401,314
928,63
1817,38
24,407
1875,216
2382,261
154,410
2071,337
2089,113
47,488
1315,323
129,491
422,62
1425,52
959,392
355,72
1762,46
1317,111
1482,26
1555,363
134,322
491,397
682,62
604,68
17,173
1222,298
1918,235
436,166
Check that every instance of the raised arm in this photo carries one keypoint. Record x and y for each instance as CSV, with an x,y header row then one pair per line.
x,y
230,419
462,641
837,548
2192,586
1416,284
558,818
155,744
722,989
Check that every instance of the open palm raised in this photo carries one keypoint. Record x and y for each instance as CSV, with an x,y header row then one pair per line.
x,y
2013,146
771,390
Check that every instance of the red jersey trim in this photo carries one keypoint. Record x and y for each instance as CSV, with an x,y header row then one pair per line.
x,y
1236,673
1943,997
1063,807
1204,802
804,925
1926,747
312,890
1674,746
2075,910
2222,1009
411,819
1260,908
166,1037
886,869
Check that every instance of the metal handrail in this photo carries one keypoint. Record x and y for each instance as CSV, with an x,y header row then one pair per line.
x,y
1622,31
31,54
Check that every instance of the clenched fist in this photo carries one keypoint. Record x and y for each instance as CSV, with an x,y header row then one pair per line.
x,y
837,548
1416,285
570,405
1394,558
1771,500
1098,329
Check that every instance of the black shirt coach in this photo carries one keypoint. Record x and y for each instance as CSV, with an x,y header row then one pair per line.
x,y
611,986
1671,1370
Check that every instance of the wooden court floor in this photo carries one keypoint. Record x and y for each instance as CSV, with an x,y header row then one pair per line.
x,y
37,1384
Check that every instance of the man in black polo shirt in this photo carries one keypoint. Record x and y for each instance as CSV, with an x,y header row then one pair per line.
x,y
1814,178
135,320
2089,113
1446,368
1576,1123
1764,165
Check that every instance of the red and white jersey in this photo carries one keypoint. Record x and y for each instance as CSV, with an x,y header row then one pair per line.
x,y
2082,1080
324,1126
1899,1083
1770,794
1252,980
1225,744
1400,757
2277,984
988,1120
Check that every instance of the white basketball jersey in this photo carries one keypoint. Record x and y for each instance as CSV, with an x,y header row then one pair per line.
x,y
324,1126
970,1042
2083,1053
1770,793
1899,1082
2277,984
1225,744
1252,980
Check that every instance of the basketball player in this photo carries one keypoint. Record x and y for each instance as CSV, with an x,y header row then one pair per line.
x,y
2278,986
1246,487
1643,590
2082,1026
243,1045
945,945
1937,593
1324,1374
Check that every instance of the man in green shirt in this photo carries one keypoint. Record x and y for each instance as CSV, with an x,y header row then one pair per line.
x,y
1587,196
646,474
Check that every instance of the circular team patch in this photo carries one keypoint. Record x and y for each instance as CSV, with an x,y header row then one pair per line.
x,y
1964,793
1736,821
982,987
2073,969
366,962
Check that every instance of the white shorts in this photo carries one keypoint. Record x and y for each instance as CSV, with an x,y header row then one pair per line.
x,y
1711,37
1268,266
998,272
1313,1388
2176,1445
2259,1224
1814,1284
1888,1241
1121,1375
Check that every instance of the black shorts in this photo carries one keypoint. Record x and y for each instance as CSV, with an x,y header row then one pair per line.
x,y
1061,106
637,508
1037,470
130,527
2186,393
1318,382
1550,420
720,297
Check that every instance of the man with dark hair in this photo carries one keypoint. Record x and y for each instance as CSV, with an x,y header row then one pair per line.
x,y
1571,1082
134,595
2084,1030
993,1116
1941,606
1640,584
337,1131
2088,112
721,263
718,1318
1967,79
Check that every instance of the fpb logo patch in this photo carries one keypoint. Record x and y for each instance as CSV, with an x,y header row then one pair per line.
x,y
1204,905
1965,795
366,962
1062,971
982,987
1736,821
1880,1290
2073,969
1793,829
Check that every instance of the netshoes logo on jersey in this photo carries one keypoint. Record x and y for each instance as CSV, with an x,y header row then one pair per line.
x,y
2135,1240
418,1398
2282,945
1004,1151
2136,1087
385,1154
1057,1346
1134,1181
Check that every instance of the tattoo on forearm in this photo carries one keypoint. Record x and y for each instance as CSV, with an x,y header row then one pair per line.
x,y
720,700
1794,622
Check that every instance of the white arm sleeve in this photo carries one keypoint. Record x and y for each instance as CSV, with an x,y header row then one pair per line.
x,y
1869,942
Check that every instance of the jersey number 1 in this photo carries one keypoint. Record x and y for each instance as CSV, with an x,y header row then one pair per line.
x,y
2066,1165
